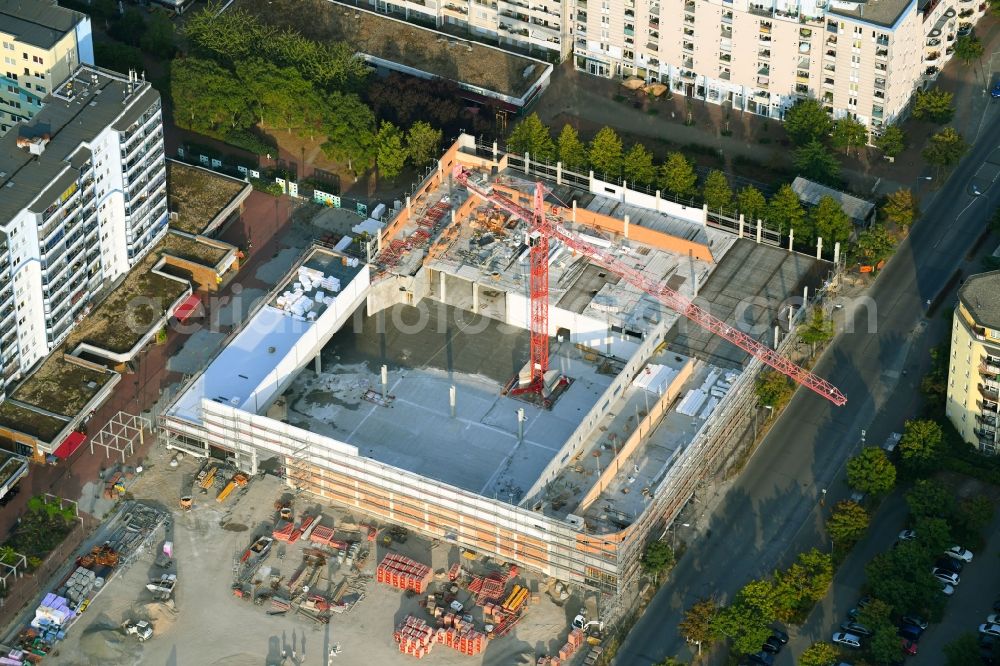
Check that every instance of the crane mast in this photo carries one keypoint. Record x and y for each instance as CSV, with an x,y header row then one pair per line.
x,y
543,227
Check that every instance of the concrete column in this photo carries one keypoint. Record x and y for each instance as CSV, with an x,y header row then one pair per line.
x,y
475,297
558,173
759,228
819,247
385,382
318,364
776,329
836,253
441,280
624,188
704,214
527,163
805,296
590,183
452,400
742,221
626,227
790,314
574,204
791,238
453,216
409,211
520,424
495,151
657,201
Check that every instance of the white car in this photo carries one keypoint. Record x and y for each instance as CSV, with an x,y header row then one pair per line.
x,y
946,589
850,640
907,535
946,576
990,629
959,553
993,618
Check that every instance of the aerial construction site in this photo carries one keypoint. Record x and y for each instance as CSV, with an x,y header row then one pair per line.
x,y
539,369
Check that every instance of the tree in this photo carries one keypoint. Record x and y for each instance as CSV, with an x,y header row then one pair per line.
x,y
117,56
848,133
158,39
875,614
946,148
391,155
830,222
207,98
533,137
606,153
819,654
698,625
871,472
963,651
875,244
572,152
350,132
847,523
934,105
803,584
817,329
920,446
785,211
892,142
815,162
806,122
658,558
930,499
973,515
751,204
902,578
773,388
638,165
423,143
968,48
934,535
885,646
677,175
130,28
716,191
901,208
746,620
670,661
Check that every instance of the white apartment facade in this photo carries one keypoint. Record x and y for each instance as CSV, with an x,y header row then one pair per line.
x,y
82,199
863,59
41,44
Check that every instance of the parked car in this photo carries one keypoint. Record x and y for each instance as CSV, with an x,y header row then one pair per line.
x,y
946,589
911,632
856,628
993,618
772,645
907,535
779,634
847,640
990,629
761,658
995,93
862,602
914,620
959,553
950,564
946,576
909,647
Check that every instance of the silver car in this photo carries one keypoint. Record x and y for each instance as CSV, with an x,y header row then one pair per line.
x,y
846,639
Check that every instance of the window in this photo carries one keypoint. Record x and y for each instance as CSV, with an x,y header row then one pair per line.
x,y
9,61
37,59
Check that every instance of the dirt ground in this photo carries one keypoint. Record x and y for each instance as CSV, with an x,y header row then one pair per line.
x,y
207,625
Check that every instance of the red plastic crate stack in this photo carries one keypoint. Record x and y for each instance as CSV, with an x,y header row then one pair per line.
x,y
454,572
403,573
492,588
284,532
467,641
415,637
324,537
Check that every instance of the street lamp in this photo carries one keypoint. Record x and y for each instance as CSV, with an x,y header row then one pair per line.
x,y
822,497
673,535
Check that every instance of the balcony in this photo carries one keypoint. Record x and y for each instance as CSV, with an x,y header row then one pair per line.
x,y
726,57
882,53
688,47
689,19
725,76
688,62
760,10
763,53
933,56
801,89
728,20
990,367
989,420
689,32
764,39
830,67
763,81
987,406
654,23
689,6
989,392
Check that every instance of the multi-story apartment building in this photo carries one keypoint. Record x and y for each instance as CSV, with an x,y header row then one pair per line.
x,y
82,199
974,368
863,59
41,44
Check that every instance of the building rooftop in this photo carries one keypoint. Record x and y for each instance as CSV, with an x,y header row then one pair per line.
x,y
809,192
82,107
120,321
41,23
396,41
199,196
980,294
880,12
192,249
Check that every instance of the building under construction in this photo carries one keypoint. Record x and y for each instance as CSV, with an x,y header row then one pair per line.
x,y
411,386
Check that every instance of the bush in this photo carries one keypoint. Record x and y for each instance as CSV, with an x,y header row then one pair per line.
x,y
250,142
263,186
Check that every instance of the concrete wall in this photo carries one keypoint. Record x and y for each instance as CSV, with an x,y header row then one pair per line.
x,y
643,429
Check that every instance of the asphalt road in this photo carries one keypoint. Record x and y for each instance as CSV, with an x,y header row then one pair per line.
x,y
773,511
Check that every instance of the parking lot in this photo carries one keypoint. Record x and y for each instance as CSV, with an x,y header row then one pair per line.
x,y
206,624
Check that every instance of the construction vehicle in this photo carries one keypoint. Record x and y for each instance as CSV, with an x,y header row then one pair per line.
x,y
162,587
141,629
206,477
545,225
239,479
592,629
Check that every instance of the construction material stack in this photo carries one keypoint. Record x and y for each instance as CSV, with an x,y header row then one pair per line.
x,y
415,637
80,584
403,573
458,634
323,536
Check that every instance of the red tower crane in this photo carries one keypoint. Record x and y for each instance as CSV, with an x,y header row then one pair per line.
x,y
543,227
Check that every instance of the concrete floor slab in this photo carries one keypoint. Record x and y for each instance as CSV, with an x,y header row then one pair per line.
x,y
196,352
236,309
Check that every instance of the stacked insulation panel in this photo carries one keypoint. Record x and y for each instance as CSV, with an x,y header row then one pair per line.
x,y
403,573
415,637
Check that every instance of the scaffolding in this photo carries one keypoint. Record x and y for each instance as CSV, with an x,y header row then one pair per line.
x,y
121,434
